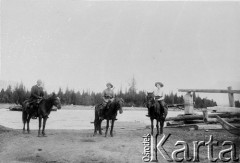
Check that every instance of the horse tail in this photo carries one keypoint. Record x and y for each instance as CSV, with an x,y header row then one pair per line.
x,y
97,110
24,112
96,119
24,116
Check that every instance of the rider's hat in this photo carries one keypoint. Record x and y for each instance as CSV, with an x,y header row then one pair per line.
x,y
161,84
109,84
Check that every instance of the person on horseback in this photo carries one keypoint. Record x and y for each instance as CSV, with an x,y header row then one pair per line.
x,y
36,97
159,96
108,97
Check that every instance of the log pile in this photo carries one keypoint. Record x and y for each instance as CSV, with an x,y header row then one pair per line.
x,y
183,117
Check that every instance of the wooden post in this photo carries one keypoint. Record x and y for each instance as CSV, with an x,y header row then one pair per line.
x,y
231,97
205,115
188,103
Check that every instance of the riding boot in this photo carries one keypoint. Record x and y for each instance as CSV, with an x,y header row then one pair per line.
x,y
101,113
165,111
34,115
164,108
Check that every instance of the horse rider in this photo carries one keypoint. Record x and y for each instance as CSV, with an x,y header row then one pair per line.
x,y
159,96
108,97
36,96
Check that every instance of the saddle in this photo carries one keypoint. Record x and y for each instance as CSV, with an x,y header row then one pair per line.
x,y
33,104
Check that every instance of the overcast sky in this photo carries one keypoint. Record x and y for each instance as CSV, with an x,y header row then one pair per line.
x,y
83,44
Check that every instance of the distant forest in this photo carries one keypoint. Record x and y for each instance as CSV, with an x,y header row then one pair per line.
x,y
131,97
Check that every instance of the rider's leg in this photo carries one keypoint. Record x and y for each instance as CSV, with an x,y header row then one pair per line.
x,y
102,110
36,110
164,107
108,104
33,108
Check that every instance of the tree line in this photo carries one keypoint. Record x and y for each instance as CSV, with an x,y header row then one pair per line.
x,y
131,97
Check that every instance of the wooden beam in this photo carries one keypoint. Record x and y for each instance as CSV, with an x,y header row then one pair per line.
x,y
210,90
200,117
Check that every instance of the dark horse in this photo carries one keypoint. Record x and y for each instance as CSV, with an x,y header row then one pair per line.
x,y
157,112
110,114
44,109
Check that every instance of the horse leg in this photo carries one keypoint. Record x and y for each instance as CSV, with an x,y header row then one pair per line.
x,y
157,126
44,124
107,128
28,121
151,126
95,127
24,119
39,125
100,127
111,132
24,123
161,126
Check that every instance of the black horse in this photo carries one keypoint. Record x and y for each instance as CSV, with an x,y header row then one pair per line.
x,y
109,114
44,109
157,112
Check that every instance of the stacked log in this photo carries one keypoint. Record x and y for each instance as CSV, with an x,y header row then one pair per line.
x,y
184,117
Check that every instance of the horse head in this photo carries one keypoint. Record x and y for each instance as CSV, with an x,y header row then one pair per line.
x,y
119,103
150,99
56,101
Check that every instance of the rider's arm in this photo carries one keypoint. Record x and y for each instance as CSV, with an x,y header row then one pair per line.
x,y
41,93
103,95
155,93
33,92
112,94
158,95
162,96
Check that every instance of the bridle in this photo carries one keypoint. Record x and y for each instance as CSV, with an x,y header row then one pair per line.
x,y
57,102
150,101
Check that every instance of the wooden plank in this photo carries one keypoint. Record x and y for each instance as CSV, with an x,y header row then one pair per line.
x,y
210,90
227,126
188,127
185,117
175,105
223,109
200,117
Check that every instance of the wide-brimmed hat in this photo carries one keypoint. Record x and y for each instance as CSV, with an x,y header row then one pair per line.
x,y
109,84
161,84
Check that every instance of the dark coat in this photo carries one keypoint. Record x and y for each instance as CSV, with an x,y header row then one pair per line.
x,y
36,92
